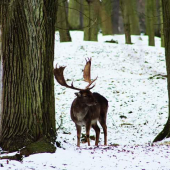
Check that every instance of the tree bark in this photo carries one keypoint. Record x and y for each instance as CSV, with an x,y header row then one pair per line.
x,y
90,17
106,17
115,16
150,21
142,15
166,23
1,9
124,5
28,113
157,17
62,22
134,19
74,14
161,22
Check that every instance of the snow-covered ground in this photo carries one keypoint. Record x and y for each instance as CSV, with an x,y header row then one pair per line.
x,y
138,107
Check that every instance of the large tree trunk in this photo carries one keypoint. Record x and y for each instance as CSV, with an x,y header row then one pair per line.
x,y
106,17
166,22
1,9
28,113
91,10
150,21
125,8
62,22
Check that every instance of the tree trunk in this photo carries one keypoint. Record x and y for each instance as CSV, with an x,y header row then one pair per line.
x,y
106,17
28,113
115,17
125,8
161,22
81,14
157,17
166,22
90,17
74,14
62,22
134,19
150,21
1,9
142,13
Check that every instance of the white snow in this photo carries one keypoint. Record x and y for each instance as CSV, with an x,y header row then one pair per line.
x,y
138,107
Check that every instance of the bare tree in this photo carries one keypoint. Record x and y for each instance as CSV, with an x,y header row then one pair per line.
x,y
161,22
62,21
91,9
74,14
150,21
106,17
125,8
115,16
134,19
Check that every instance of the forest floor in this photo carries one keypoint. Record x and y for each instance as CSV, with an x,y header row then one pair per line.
x,y
132,78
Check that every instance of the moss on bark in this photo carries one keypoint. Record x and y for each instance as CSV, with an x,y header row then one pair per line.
x,y
41,146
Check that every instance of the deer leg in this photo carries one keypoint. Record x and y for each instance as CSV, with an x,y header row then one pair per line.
x,y
103,124
97,130
88,133
78,135
105,133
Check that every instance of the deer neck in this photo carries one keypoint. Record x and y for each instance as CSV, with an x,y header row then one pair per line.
x,y
81,110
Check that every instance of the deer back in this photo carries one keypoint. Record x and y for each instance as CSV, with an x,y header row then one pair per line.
x,y
103,102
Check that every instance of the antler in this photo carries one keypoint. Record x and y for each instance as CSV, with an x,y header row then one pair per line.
x,y
59,76
87,74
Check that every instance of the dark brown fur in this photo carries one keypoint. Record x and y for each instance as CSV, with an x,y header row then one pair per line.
x,y
86,110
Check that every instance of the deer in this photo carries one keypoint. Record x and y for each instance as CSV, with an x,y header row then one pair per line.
x,y
87,108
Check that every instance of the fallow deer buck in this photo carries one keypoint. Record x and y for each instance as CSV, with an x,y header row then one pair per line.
x,y
87,108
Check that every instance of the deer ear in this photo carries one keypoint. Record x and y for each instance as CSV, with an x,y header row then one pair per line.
x,y
78,94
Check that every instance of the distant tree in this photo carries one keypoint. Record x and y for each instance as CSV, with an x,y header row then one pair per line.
x,y
134,19
74,14
157,18
1,13
150,21
106,17
81,14
161,22
141,13
91,9
28,112
62,22
165,133
125,8
115,16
